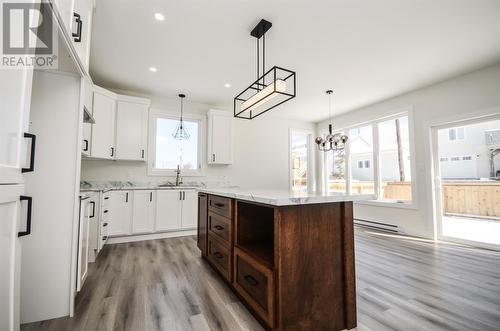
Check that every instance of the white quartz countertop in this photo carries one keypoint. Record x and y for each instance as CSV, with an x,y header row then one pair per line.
x,y
284,197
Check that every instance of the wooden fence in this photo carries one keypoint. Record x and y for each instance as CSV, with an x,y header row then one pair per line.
x,y
474,197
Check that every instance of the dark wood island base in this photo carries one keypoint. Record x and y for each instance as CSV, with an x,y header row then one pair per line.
x,y
292,266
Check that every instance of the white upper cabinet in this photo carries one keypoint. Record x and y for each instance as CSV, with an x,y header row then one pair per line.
x,y
81,29
168,210
143,219
15,102
131,128
118,213
65,10
220,137
189,219
103,131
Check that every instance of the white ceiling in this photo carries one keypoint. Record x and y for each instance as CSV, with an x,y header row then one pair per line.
x,y
366,51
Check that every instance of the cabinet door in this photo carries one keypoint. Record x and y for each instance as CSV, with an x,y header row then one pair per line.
x,y
131,131
87,127
65,9
220,138
143,219
81,27
83,243
9,256
103,131
189,219
15,101
120,213
168,210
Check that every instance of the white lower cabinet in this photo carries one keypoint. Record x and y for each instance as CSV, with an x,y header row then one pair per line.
x,y
143,219
189,218
83,242
118,213
168,210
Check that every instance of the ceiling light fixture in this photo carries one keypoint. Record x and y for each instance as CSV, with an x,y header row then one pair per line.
x,y
332,142
180,132
271,89
227,85
159,16
153,69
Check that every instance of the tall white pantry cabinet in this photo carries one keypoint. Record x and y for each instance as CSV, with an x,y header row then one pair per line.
x,y
41,116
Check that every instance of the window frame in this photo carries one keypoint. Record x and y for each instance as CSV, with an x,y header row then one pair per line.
x,y
156,114
457,138
311,183
413,204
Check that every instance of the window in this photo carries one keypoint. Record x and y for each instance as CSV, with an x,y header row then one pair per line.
x,y
361,153
395,170
300,159
443,159
168,153
467,158
455,158
335,168
456,134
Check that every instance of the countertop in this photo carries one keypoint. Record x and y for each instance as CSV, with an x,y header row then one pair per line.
x,y
86,186
284,197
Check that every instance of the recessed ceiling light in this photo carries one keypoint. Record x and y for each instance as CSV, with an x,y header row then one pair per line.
x,y
159,16
153,69
227,85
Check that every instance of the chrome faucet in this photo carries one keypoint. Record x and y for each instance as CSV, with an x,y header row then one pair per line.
x,y
178,178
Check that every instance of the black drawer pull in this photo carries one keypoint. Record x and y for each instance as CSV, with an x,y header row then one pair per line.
x,y
218,255
104,224
106,211
28,216
251,281
32,156
105,238
219,205
86,148
218,227
77,37
106,198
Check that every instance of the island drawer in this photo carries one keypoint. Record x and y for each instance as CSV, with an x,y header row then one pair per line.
x,y
220,257
220,205
255,283
220,227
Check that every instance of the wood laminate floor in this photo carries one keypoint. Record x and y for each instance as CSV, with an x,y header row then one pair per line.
x,y
402,284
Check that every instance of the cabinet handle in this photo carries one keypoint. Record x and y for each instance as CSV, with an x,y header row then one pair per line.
x,y
150,196
218,227
183,195
106,211
251,281
93,209
112,151
126,197
106,198
104,224
86,148
213,157
142,154
28,216
77,37
32,156
218,255
105,238
219,205
180,195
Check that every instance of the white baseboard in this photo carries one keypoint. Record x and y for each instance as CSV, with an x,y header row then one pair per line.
x,y
152,236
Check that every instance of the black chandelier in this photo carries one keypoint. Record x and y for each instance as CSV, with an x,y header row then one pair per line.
x,y
180,132
332,142
271,89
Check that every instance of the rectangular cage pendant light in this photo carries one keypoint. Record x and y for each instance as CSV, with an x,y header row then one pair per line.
x,y
271,89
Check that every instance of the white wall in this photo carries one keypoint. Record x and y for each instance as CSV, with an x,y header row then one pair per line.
x,y
260,152
472,95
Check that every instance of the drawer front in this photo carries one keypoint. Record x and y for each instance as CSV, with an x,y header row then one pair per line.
x,y
219,227
255,283
220,205
220,257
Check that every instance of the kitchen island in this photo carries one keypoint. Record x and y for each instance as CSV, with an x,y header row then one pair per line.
x,y
289,256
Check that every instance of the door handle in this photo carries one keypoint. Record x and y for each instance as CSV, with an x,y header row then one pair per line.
x,y
28,216
86,148
77,37
32,156
93,209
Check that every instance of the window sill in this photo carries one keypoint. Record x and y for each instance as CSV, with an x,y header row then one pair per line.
x,y
389,204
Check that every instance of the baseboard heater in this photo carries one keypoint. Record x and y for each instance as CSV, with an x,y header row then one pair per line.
x,y
378,225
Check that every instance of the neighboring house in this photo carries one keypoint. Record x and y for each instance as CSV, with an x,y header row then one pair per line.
x,y
463,151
